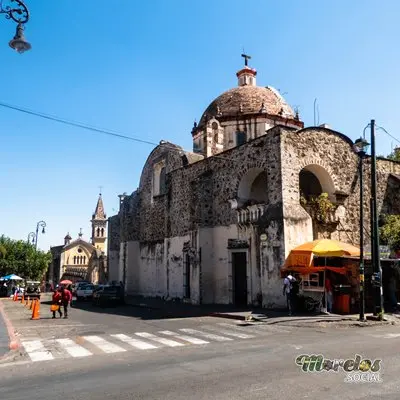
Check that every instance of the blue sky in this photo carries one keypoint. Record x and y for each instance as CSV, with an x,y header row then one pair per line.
x,y
149,69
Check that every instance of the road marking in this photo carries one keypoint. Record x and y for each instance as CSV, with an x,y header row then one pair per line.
x,y
229,333
189,339
139,344
387,336
206,335
103,344
73,349
37,351
167,342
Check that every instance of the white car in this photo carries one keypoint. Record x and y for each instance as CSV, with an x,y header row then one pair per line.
x,y
84,291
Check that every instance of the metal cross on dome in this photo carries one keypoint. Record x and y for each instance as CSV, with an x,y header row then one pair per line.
x,y
246,59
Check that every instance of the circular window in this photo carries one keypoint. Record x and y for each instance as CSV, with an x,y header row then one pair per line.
x,y
79,250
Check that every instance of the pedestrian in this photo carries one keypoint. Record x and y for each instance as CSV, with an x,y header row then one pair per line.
x,y
329,294
66,298
56,303
288,291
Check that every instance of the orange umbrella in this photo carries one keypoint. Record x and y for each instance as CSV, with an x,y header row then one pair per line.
x,y
302,256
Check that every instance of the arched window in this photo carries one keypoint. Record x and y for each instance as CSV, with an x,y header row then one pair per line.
x,y
102,232
240,138
74,259
98,231
214,127
84,259
162,181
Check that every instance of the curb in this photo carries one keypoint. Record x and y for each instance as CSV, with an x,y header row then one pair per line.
x,y
228,316
14,343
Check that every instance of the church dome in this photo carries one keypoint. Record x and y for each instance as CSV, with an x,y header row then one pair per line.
x,y
246,100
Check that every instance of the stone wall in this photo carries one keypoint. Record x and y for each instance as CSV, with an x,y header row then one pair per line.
x,y
113,242
333,153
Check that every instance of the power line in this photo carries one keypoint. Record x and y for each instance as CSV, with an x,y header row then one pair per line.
x,y
99,130
76,124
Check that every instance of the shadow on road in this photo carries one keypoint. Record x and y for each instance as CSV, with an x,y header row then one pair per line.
x,y
168,310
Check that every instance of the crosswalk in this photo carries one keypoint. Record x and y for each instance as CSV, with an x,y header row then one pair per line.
x,y
85,346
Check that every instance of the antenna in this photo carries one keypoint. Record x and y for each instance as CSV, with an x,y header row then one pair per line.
x,y
315,103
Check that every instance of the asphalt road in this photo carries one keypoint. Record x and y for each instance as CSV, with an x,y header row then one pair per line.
x,y
260,367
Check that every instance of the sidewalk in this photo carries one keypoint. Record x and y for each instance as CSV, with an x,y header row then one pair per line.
x,y
250,314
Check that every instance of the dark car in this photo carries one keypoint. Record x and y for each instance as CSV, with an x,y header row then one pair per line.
x,y
108,296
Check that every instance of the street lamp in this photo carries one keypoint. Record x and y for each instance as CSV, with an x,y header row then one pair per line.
x,y
20,14
39,224
361,147
32,236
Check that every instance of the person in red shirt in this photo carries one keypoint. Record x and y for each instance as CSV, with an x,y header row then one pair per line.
x,y
56,300
66,297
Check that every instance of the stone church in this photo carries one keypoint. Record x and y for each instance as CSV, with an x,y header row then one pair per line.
x,y
78,259
215,225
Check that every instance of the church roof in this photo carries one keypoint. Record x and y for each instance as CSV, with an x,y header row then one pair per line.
x,y
249,99
99,212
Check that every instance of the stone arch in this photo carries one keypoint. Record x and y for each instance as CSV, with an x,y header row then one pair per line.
x,y
321,163
314,179
252,187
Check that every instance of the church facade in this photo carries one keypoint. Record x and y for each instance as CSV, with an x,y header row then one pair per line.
x,y
215,225
78,259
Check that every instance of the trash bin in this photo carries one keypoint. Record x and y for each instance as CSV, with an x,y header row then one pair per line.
x,y
342,304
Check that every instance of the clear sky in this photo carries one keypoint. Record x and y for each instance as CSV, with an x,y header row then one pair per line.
x,y
148,69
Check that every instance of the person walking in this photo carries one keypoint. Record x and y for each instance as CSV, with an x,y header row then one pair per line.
x,y
56,302
66,298
288,291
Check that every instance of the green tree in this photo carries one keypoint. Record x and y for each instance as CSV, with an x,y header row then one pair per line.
x,y
394,155
21,258
390,231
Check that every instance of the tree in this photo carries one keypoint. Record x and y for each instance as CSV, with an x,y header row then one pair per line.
x,y
390,231
394,155
21,258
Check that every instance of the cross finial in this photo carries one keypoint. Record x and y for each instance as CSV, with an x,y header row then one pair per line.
x,y
100,188
246,59
80,232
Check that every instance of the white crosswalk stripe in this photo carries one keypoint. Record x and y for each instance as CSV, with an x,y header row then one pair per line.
x,y
85,346
189,339
74,349
166,342
206,335
103,344
139,344
36,350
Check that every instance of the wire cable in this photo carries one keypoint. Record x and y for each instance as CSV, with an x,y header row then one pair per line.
x,y
102,131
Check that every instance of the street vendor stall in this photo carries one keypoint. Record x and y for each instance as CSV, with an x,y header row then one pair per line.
x,y
312,276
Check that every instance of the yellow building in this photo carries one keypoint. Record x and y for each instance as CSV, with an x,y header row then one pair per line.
x,y
78,259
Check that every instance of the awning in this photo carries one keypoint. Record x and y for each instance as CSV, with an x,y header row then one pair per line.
x,y
300,259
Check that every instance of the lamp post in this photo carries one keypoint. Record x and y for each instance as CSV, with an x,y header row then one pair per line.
x,y
39,224
31,238
361,147
19,13
376,259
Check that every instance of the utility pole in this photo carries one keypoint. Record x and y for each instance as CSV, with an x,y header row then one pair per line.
x,y
376,262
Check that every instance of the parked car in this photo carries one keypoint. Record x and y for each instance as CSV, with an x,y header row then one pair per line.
x,y
84,291
32,289
76,286
108,295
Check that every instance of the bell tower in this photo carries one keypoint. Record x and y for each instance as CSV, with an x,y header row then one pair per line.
x,y
99,226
